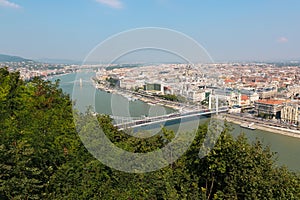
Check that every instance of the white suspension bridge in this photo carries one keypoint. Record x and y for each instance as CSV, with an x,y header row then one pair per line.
x,y
123,123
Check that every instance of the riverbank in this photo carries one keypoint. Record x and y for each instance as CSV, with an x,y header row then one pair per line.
x,y
57,75
146,98
261,126
287,148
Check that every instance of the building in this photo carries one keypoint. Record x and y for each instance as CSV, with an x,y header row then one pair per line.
x,y
230,96
127,84
245,100
267,93
290,113
154,88
251,94
269,108
196,96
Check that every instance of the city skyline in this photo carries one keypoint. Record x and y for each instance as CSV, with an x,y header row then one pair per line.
x,y
229,31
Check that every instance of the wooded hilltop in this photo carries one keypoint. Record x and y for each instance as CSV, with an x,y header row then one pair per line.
x,y
42,156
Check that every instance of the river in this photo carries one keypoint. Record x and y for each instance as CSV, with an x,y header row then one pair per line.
x,y
287,148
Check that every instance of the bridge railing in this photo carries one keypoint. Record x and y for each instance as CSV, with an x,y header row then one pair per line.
x,y
171,116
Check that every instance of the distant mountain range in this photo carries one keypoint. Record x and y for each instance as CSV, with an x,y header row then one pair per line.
x,y
58,61
8,58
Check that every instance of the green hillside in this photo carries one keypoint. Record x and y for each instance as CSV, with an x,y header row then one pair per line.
x,y
8,58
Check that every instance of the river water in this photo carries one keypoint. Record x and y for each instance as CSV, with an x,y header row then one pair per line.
x,y
287,148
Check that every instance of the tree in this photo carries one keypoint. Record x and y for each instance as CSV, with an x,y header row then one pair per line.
x,y
235,169
37,135
42,156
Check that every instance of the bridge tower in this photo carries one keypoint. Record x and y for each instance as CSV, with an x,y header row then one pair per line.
x,y
210,102
217,104
80,82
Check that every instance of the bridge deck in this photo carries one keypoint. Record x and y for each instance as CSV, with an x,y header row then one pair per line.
x,y
164,118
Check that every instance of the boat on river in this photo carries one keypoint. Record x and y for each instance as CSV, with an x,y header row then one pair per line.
x,y
248,126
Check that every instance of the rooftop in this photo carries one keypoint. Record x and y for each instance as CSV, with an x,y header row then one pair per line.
x,y
271,101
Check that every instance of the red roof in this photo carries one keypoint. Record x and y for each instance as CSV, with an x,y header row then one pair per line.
x,y
244,97
228,81
271,101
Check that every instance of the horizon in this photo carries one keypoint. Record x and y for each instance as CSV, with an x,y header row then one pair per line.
x,y
230,31
78,62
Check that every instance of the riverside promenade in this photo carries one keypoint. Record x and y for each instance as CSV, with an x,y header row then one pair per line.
x,y
261,125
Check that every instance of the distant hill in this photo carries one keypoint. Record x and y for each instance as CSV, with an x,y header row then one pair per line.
x,y
58,61
8,58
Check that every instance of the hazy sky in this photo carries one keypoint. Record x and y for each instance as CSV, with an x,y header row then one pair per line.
x,y
228,29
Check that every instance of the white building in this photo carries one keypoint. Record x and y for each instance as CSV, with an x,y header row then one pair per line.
x,y
290,113
196,96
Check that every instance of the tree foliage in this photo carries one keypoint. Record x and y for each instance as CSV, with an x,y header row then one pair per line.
x,y
42,156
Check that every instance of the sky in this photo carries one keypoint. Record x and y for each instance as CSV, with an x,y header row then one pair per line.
x,y
229,30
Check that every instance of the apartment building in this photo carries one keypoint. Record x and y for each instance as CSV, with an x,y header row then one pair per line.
x,y
290,113
270,108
